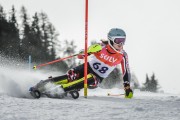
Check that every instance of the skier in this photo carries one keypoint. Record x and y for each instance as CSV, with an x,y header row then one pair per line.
x,y
104,58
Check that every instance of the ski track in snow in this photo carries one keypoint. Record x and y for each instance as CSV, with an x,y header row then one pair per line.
x,y
17,104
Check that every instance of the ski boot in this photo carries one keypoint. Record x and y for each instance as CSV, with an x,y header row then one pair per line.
x,y
35,92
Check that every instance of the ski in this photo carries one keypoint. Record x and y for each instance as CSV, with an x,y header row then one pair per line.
x,y
54,91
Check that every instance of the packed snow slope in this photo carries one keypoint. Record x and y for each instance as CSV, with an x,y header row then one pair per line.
x,y
144,106
17,104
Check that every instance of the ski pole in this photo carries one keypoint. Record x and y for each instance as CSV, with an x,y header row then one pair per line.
x,y
93,49
54,61
109,94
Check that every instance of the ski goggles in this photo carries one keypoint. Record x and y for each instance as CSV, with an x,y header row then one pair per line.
x,y
118,40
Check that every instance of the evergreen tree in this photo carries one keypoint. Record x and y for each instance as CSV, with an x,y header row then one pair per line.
x,y
36,39
25,45
9,34
14,40
53,41
154,84
69,49
147,84
3,30
150,84
45,36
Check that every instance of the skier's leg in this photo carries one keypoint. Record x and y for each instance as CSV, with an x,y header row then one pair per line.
x,y
60,79
76,78
56,80
78,72
71,75
78,84
75,73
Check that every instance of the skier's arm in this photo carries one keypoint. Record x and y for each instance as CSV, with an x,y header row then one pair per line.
x,y
126,76
91,50
125,69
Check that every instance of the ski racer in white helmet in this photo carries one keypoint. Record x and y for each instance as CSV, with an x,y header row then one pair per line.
x,y
104,59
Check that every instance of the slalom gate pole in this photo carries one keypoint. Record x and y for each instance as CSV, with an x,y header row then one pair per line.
x,y
58,60
85,52
29,62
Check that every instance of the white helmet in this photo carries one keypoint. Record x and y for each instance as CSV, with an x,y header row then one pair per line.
x,y
116,36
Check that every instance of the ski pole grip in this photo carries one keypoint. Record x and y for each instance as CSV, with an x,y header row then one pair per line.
x,y
35,67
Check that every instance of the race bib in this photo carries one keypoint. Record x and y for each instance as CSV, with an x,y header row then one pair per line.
x,y
100,68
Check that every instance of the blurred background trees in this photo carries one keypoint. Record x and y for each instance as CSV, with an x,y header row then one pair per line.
x,y
151,84
36,37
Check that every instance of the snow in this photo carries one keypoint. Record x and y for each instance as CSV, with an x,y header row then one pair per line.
x,y
17,104
152,107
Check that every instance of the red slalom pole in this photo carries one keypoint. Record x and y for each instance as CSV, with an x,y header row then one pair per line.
x,y
85,52
58,60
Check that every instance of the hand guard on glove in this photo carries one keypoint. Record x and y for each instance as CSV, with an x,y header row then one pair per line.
x,y
94,48
91,50
128,90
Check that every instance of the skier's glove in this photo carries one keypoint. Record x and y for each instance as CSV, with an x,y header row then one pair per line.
x,y
81,54
91,50
128,90
94,48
